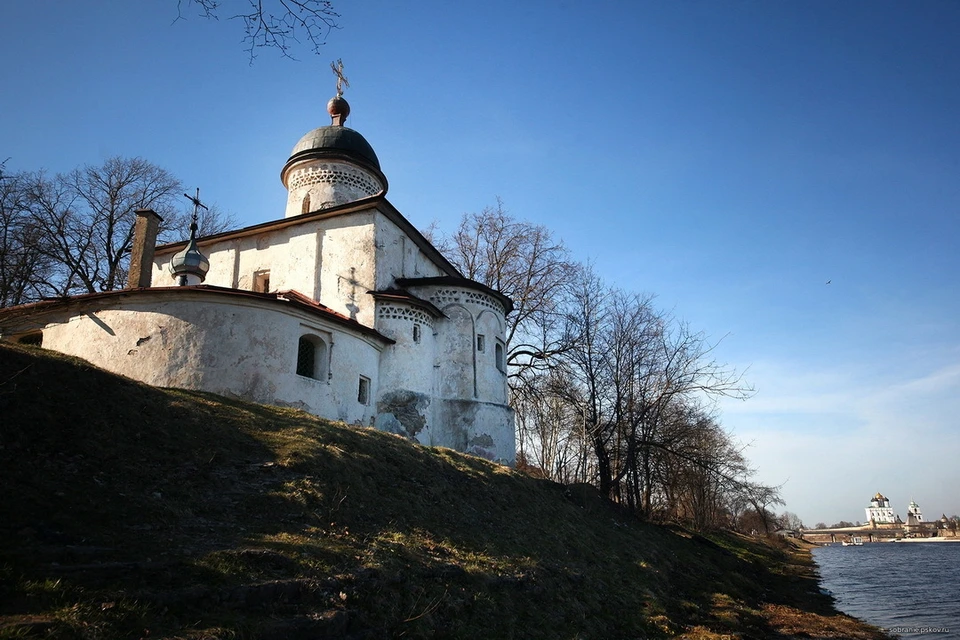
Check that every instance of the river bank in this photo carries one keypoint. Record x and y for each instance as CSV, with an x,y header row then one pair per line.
x,y
821,618
924,540
183,515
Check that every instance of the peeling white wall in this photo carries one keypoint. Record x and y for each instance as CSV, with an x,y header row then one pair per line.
x,y
443,390
330,260
242,348
482,429
407,371
464,370
467,409
398,256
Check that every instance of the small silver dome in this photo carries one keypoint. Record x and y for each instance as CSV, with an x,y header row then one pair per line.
x,y
190,262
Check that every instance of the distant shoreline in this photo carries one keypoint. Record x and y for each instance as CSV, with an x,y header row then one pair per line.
x,y
924,540
885,541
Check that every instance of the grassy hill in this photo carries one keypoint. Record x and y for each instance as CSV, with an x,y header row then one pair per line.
x,y
128,511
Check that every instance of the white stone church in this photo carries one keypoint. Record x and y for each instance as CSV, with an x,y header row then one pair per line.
x,y
341,308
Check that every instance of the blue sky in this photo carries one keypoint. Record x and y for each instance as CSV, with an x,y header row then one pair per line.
x,y
729,157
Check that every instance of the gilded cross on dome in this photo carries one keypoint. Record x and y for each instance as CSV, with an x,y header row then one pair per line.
x,y
341,79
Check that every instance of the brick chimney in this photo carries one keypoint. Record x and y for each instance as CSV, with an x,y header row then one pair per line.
x,y
144,243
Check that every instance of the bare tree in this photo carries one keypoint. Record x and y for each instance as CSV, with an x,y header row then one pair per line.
x,y
697,470
790,520
23,265
608,389
525,262
276,24
72,233
761,498
87,218
111,193
635,372
682,373
755,522
64,240
552,434
584,370
210,220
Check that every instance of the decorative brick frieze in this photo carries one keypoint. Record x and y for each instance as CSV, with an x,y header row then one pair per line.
x,y
334,174
442,297
392,312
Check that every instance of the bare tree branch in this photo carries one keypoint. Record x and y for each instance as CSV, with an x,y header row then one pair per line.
x,y
72,233
277,24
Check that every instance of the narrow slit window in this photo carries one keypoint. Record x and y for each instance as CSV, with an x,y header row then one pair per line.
x,y
416,333
305,207
500,364
481,343
363,390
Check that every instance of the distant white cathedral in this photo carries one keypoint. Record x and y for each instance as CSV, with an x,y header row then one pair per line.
x,y
880,510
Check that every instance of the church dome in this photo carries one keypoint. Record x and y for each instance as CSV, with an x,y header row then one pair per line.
x,y
331,165
335,142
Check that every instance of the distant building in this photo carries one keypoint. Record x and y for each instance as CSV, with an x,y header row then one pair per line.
x,y
880,511
914,516
946,528
915,527
884,525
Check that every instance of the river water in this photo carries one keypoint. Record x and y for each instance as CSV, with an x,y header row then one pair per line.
x,y
911,589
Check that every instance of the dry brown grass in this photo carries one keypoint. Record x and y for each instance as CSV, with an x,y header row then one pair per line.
x,y
134,512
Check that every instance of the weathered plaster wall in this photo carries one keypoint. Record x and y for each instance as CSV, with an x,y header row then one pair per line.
x,y
398,256
328,183
468,410
233,347
482,429
456,366
491,378
404,405
330,260
347,266
467,369
335,261
445,389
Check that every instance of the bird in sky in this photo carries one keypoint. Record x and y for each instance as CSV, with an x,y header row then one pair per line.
x,y
829,281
